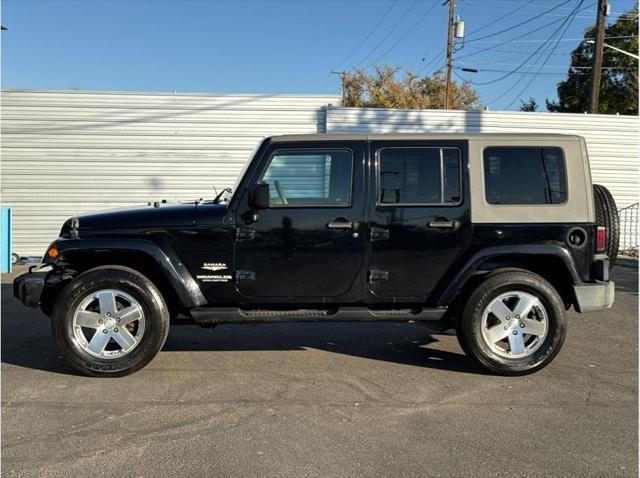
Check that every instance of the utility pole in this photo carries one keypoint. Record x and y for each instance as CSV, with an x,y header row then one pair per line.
x,y
596,71
447,92
343,79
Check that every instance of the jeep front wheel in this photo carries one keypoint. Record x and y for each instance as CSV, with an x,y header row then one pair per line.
x,y
514,323
110,321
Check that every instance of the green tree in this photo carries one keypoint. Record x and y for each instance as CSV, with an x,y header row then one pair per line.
x,y
393,87
530,105
619,86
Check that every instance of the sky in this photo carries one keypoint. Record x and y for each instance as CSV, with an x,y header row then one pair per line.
x,y
272,46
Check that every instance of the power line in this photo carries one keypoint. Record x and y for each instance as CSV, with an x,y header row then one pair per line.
x,y
516,38
564,32
525,73
465,4
486,25
526,60
393,29
611,67
521,74
584,14
356,49
437,55
517,25
415,25
514,52
371,32
533,8
551,73
437,58
564,39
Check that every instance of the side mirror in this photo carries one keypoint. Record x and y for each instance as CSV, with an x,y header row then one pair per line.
x,y
259,197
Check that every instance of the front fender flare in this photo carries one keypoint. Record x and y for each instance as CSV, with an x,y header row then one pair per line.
x,y
466,267
186,288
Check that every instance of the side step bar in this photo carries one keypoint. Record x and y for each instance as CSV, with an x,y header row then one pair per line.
x,y
228,315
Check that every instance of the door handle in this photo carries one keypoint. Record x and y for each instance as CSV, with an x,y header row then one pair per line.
x,y
341,224
443,224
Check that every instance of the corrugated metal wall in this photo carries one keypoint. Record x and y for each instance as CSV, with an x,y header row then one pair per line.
x,y
612,141
69,152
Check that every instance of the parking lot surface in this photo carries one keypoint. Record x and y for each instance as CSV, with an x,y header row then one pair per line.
x,y
325,400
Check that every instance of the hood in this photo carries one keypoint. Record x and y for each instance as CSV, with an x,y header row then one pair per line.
x,y
141,217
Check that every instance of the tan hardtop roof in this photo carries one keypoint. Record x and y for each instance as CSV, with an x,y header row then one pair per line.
x,y
417,136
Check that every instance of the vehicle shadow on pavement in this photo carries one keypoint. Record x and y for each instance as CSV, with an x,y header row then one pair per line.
x,y
626,279
27,340
402,343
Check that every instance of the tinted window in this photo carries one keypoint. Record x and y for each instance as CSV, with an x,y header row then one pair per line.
x,y
309,177
524,176
419,176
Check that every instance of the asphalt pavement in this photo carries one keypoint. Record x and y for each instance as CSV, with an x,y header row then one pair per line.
x,y
324,400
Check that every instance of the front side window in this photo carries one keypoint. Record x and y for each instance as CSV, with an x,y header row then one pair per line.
x,y
419,176
309,177
524,175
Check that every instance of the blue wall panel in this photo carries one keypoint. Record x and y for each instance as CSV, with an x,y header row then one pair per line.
x,y
5,252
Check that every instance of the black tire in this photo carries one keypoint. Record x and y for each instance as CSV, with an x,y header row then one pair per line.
x,y
607,216
469,329
129,281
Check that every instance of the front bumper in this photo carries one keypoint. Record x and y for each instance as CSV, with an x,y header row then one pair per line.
x,y
27,288
594,296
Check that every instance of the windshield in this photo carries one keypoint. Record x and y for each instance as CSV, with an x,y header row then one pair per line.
x,y
243,171
226,194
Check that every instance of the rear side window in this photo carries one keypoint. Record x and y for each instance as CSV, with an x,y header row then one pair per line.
x,y
309,177
525,175
419,176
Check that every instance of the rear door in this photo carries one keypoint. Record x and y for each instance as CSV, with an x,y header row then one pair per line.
x,y
419,216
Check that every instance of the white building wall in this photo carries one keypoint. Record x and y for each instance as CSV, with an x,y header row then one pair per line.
x,y
612,141
70,152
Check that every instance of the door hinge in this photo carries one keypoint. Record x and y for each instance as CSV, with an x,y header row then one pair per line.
x,y
243,234
378,234
378,276
245,276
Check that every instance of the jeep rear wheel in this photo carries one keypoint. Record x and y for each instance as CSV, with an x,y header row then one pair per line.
x,y
514,323
110,321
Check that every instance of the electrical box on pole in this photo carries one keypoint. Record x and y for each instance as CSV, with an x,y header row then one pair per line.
x,y
459,28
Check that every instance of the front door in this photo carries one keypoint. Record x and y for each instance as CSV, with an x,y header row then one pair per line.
x,y
308,246
419,216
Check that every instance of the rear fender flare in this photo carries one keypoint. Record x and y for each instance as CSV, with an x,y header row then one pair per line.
x,y
465,268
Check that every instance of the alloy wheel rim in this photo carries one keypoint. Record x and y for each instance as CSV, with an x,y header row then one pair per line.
x,y
108,324
515,324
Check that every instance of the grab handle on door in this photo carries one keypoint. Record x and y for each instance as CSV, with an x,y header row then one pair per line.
x,y
443,224
343,224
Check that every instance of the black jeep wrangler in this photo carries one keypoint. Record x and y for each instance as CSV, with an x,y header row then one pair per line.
x,y
497,235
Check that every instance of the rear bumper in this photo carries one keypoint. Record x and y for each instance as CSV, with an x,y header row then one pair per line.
x,y
27,288
595,296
